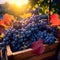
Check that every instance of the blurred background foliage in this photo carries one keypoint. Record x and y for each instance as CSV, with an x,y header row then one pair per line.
x,y
55,6
43,5
33,4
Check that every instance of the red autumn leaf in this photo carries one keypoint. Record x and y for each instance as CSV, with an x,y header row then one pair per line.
x,y
54,20
5,22
7,19
1,22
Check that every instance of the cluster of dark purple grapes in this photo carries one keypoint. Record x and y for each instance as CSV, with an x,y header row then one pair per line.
x,y
22,35
1,16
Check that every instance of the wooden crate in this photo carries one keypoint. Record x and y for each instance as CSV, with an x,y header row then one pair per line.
x,y
50,51
27,54
0,51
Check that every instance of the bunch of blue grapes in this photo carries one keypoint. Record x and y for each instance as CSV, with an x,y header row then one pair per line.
x,y
22,35
38,19
1,16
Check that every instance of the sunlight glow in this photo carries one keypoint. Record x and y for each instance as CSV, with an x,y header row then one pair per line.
x,y
19,2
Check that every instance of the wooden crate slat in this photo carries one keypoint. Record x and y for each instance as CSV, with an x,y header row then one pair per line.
x,y
43,56
9,52
0,52
23,55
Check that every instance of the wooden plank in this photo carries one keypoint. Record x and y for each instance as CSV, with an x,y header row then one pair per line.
x,y
43,56
0,52
23,54
9,52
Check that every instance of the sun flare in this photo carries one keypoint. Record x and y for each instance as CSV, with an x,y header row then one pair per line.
x,y
19,2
